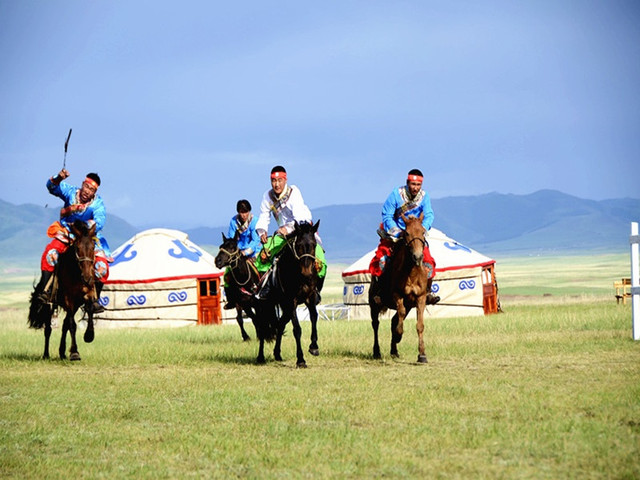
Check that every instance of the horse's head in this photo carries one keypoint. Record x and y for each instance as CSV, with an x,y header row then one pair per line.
x,y
84,247
413,237
228,252
303,243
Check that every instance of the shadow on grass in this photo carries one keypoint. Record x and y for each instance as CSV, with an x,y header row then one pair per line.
x,y
31,358
229,359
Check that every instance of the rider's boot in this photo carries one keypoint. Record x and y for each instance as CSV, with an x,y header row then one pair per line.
x,y
93,305
265,286
43,289
432,299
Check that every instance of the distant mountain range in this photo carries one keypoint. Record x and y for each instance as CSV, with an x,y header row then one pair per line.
x,y
544,222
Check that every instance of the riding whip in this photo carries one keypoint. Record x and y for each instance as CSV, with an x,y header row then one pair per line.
x,y
66,145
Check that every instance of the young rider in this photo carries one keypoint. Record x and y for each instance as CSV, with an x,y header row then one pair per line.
x,y
244,225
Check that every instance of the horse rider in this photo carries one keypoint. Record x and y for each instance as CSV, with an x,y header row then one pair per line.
x,y
411,200
84,204
285,203
244,225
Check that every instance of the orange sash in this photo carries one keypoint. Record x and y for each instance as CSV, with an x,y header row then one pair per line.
x,y
56,230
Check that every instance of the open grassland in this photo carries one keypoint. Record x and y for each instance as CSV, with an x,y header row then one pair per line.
x,y
548,389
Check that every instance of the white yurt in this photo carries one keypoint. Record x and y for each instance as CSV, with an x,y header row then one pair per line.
x,y
465,281
160,278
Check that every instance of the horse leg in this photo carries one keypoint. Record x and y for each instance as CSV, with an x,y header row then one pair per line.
x,y
47,336
375,322
422,358
63,338
73,351
245,336
261,360
397,327
297,333
313,316
278,343
89,333
252,315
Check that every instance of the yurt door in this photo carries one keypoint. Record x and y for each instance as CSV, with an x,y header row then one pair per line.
x,y
209,301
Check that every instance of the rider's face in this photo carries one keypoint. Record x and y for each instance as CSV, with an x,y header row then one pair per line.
x,y
244,216
414,187
278,185
86,192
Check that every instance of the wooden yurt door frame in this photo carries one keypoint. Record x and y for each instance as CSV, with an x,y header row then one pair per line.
x,y
209,311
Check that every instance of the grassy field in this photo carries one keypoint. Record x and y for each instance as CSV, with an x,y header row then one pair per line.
x,y
548,389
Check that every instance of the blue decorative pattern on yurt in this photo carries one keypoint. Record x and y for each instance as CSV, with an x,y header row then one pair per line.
x,y
184,252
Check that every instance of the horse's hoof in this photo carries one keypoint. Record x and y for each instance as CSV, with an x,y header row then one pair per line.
x,y
422,359
89,335
260,361
277,358
246,338
74,357
314,351
302,364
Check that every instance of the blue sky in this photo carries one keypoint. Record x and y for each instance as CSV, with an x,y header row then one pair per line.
x,y
183,107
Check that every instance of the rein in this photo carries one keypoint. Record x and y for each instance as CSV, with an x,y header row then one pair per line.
x,y
234,260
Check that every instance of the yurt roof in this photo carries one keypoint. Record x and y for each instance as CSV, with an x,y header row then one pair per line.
x,y
160,254
448,254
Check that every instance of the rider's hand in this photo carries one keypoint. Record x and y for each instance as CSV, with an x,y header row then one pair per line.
x,y
62,174
263,237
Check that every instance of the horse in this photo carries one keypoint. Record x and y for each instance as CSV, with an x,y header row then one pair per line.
x,y
405,284
243,278
296,283
74,276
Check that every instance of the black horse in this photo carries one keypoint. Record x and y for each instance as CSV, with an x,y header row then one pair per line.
x,y
242,279
296,282
75,286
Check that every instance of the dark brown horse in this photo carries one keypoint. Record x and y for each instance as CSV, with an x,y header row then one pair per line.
x,y
296,283
242,279
404,285
75,286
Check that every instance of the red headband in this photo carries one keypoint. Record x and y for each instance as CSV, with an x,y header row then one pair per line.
x,y
414,178
91,182
279,175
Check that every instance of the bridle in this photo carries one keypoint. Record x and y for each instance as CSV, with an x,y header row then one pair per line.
x,y
421,240
234,260
299,257
84,259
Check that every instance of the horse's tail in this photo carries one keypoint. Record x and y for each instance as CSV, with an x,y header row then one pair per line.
x,y
39,313
266,321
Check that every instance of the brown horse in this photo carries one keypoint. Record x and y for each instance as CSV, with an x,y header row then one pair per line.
x,y
405,284
75,286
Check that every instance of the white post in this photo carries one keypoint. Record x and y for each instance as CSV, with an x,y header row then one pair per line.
x,y
634,240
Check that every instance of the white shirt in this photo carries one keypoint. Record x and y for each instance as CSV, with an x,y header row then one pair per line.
x,y
294,210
